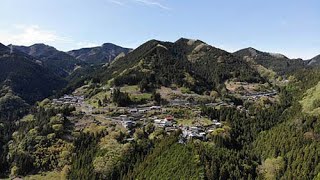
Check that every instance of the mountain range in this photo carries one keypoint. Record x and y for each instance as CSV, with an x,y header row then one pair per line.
x,y
32,72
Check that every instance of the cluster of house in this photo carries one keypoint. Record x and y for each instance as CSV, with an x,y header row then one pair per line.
x,y
168,121
69,100
169,125
144,109
255,96
199,132
188,132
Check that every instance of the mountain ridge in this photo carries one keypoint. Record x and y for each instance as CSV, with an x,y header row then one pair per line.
x,y
274,61
99,54
25,78
61,63
182,62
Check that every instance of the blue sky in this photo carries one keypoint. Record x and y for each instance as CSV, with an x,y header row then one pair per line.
x,y
291,27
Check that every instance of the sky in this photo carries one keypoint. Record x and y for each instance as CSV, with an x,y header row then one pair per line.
x,y
290,27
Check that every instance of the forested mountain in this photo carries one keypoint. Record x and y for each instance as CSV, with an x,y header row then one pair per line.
x,y
99,55
23,77
61,63
273,61
189,63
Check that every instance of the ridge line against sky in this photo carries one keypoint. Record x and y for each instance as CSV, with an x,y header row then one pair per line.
x,y
289,27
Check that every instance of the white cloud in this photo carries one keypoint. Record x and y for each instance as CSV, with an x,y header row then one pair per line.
x,y
117,2
151,3
30,34
87,44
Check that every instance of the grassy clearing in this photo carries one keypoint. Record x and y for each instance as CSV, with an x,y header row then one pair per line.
x,y
196,121
93,101
130,89
141,97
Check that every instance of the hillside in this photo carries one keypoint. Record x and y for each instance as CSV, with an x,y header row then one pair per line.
x,y
169,160
191,64
98,55
272,61
290,149
25,78
314,61
61,63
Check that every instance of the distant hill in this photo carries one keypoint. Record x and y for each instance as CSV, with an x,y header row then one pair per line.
x,y
314,61
61,63
276,62
189,63
21,76
98,55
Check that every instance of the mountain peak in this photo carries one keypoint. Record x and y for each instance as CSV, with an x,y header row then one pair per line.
x,y
43,46
188,41
314,61
108,44
100,54
3,48
252,52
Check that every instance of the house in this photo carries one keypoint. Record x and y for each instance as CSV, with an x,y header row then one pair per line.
x,y
163,123
155,108
128,124
170,129
166,123
123,117
143,110
169,118
67,97
218,124
157,121
134,110
194,129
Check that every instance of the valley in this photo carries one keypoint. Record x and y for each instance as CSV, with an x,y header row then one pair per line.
x,y
173,110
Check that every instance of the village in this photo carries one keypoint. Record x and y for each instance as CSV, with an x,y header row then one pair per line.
x,y
134,117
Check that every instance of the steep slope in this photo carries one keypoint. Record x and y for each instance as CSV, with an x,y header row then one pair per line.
x,y
294,144
4,49
101,54
275,62
188,63
21,76
314,61
61,63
